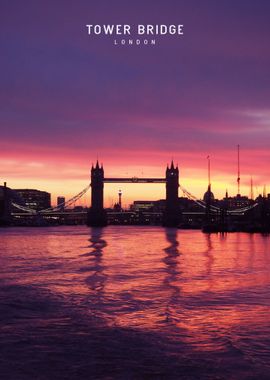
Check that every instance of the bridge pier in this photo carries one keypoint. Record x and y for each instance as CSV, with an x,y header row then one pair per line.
x,y
96,216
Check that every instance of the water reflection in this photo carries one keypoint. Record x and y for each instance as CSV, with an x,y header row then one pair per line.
x,y
252,251
97,279
98,244
172,272
150,285
265,245
208,255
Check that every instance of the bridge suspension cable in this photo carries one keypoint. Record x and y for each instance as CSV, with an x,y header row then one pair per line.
x,y
242,210
72,200
216,209
53,209
23,208
199,202
67,203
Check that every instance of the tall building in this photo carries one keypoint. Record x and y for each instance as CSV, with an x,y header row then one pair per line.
x,y
2,200
60,202
5,203
35,199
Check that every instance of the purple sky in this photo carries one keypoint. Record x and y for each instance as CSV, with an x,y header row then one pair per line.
x,y
67,97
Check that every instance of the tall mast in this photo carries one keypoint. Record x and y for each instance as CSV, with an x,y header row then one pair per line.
x,y
209,177
238,168
251,189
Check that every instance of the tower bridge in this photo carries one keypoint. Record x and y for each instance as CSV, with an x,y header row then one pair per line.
x,y
97,215
172,216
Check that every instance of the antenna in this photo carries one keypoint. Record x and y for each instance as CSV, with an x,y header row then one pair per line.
x,y
238,169
251,189
209,177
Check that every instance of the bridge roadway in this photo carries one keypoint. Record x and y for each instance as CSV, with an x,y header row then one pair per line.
x,y
134,180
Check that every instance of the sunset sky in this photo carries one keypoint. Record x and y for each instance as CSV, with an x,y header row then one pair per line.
x,y
68,98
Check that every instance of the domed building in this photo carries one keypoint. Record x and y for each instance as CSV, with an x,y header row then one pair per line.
x,y
208,195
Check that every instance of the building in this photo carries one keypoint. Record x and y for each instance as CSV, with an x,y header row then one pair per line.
x,y
239,201
5,204
138,206
61,202
2,200
35,199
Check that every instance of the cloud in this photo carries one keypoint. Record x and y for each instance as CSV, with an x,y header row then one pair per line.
x,y
67,98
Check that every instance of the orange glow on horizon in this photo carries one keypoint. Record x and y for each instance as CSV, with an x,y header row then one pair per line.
x,y
131,192
65,173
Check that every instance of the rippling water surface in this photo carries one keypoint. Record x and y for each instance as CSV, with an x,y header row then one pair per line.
x,y
133,303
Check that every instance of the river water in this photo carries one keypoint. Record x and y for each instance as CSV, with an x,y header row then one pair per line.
x,y
133,303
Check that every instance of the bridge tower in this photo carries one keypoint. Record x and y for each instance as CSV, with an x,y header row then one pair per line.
x,y
171,216
96,216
